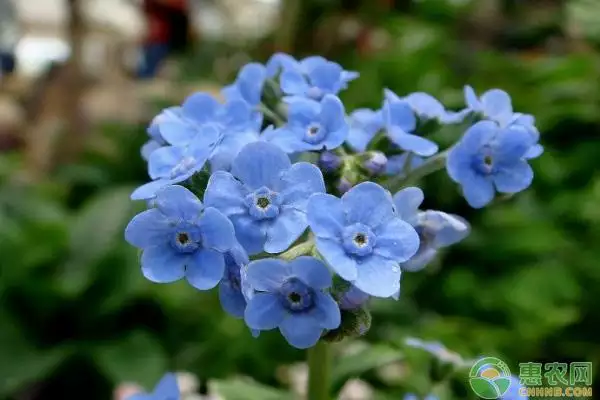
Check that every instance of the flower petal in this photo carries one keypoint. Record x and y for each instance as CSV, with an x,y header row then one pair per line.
x,y
205,269
333,252
148,190
497,105
478,135
396,240
511,146
420,260
260,164
478,190
251,234
301,330
232,300
325,215
298,183
311,271
177,131
225,193
161,264
267,274
327,76
515,178
201,107
285,230
148,228
167,387
217,230
413,143
264,311
471,99
178,202
326,311
378,276
400,114
332,116
407,202
293,83
162,161
368,203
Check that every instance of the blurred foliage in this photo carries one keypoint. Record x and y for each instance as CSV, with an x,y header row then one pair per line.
x,y
77,317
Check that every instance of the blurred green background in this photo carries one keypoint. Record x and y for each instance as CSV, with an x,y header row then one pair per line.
x,y
77,317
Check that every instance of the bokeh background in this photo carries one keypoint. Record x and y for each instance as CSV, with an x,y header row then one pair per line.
x,y
76,316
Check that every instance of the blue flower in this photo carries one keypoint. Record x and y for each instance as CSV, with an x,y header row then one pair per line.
x,y
168,165
280,62
489,157
364,125
291,296
329,161
496,105
231,292
397,163
427,107
436,229
180,238
314,78
361,237
156,140
166,389
376,162
516,391
311,126
353,298
248,87
400,120
265,197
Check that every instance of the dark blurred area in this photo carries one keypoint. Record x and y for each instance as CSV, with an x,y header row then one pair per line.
x,y
80,81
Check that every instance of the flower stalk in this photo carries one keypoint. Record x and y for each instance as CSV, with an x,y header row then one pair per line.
x,y
319,371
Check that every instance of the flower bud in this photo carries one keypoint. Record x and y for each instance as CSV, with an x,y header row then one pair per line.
x,y
376,162
329,161
353,298
356,322
343,185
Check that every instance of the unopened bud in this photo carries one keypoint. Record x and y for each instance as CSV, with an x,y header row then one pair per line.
x,y
329,161
376,162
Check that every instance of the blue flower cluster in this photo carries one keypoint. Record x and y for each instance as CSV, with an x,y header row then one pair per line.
x,y
298,210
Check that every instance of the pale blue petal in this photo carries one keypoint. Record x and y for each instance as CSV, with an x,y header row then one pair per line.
x,y
205,269
378,276
301,330
162,161
167,388
400,114
260,164
449,228
534,152
225,193
250,233
298,183
511,146
217,230
390,96
250,82
148,228
148,190
232,300
407,202
348,76
292,82
459,163
309,63
478,135
333,252
289,225
425,105
286,139
396,240
471,99
335,139
303,111
311,271
178,202
201,107
177,132
420,260
327,76
326,311
161,264
369,204
413,143
264,311
267,274
229,148
333,116
280,61
149,147
497,105
478,190
515,178
325,215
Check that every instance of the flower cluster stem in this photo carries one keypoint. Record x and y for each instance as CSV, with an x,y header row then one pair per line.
x,y
271,115
319,369
301,249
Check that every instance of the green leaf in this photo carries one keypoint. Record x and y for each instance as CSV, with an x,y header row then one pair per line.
x,y
94,230
137,357
237,389
361,361
23,362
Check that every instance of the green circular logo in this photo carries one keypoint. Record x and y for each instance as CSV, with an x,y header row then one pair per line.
x,y
490,378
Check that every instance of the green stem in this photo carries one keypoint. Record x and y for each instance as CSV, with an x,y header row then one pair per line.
x,y
430,166
270,114
319,369
301,249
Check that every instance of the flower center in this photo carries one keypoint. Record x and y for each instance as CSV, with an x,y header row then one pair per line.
x,y
314,93
314,133
185,241
296,296
263,204
358,239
